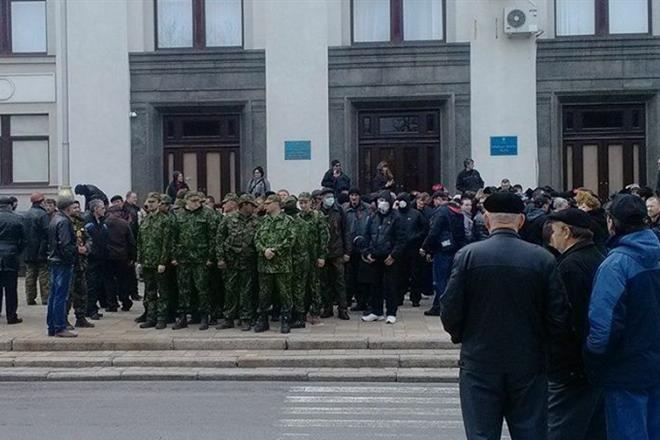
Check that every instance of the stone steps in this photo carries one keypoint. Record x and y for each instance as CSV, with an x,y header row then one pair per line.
x,y
426,375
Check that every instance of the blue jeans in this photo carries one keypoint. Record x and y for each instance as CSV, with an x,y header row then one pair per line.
x,y
633,415
441,270
60,282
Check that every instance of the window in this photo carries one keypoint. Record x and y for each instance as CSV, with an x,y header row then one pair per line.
x,y
24,149
199,23
23,27
397,20
601,17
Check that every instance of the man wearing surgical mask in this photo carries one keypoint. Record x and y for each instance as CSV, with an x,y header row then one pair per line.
x,y
383,249
333,284
414,229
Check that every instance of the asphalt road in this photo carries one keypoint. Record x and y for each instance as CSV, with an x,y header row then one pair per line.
x,y
228,411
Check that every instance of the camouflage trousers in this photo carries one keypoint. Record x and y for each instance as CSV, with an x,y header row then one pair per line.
x,y
216,292
78,296
36,272
271,284
306,289
333,284
239,294
155,294
193,279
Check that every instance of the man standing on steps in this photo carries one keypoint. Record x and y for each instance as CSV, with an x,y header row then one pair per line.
x,y
237,258
153,254
333,282
78,297
506,304
12,242
274,240
36,248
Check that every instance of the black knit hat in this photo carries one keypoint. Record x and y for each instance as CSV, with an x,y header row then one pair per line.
x,y
628,209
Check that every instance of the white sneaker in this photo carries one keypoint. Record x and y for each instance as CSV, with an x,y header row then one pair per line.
x,y
390,319
371,317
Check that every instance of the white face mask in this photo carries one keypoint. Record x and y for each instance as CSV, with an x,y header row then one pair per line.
x,y
328,202
402,204
383,206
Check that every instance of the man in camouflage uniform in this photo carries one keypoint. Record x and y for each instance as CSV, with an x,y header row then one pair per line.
x,y
216,284
78,297
316,229
192,239
274,243
237,257
170,285
153,255
300,259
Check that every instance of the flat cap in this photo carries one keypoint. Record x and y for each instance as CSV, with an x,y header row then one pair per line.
x,y
504,203
247,198
572,217
325,191
628,209
64,202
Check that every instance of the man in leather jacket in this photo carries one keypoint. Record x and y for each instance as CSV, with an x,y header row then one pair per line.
x,y
12,242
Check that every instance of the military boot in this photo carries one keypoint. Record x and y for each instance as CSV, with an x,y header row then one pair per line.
x,y
148,324
181,322
262,324
160,325
142,317
284,324
225,324
343,314
204,322
246,325
297,320
195,318
83,323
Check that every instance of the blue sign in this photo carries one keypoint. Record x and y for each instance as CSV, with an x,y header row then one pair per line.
x,y
297,150
504,145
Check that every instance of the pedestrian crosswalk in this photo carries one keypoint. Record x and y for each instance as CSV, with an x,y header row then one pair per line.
x,y
365,411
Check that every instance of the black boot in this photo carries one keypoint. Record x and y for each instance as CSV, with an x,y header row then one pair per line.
x,y
262,324
225,324
160,325
246,325
327,312
284,324
297,320
343,314
83,323
195,318
204,322
181,322
142,317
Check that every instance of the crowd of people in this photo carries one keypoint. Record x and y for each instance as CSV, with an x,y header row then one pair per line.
x,y
261,256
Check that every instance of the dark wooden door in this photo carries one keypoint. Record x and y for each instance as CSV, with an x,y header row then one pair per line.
x,y
408,140
206,149
604,148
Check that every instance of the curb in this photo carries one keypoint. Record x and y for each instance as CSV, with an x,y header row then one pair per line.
x,y
438,375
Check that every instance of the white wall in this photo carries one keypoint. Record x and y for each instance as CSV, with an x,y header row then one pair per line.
x,y
503,92
296,38
99,97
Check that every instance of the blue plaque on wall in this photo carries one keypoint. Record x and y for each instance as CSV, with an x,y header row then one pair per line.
x,y
297,150
504,145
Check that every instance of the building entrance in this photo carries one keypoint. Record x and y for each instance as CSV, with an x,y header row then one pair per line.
x,y
604,147
408,140
206,149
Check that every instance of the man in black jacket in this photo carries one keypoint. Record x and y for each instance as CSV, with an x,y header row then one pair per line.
x,y
384,243
333,284
469,179
12,242
414,228
91,192
36,248
356,213
336,179
505,303
575,408
62,252
122,251
97,269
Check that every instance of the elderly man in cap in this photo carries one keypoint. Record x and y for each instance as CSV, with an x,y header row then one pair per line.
x,y
237,257
622,352
36,248
575,408
505,303
274,240
12,242
62,255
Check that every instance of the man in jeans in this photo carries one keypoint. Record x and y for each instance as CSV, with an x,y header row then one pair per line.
x,y
62,253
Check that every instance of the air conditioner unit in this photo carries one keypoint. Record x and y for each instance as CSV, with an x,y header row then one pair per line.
x,y
520,22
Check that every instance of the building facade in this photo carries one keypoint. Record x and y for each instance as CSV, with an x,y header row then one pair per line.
x,y
121,93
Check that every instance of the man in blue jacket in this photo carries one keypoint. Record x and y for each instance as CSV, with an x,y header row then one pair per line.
x,y
622,351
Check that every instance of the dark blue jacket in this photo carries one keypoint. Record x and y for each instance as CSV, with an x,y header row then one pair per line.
x,y
384,236
447,231
623,345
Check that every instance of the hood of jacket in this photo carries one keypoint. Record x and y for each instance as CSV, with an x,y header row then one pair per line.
x,y
642,246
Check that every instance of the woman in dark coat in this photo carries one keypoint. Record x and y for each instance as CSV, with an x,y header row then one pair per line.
x,y
178,183
384,179
258,185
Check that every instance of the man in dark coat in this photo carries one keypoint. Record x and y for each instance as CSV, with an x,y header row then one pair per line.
x,y
333,282
12,242
336,179
414,228
36,249
91,192
355,219
122,252
575,407
469,179
505,303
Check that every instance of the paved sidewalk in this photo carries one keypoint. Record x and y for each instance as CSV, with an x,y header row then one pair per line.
x,y
118,331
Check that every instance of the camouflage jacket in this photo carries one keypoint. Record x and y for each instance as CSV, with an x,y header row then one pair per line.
x,y
276,233
155,240
193,236
235,240
317,233
82,238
